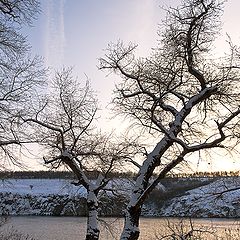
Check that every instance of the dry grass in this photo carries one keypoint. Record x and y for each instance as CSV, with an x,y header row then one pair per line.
x,y
185,229
11,233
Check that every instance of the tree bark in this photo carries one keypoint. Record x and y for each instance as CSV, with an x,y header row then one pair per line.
x,y
131,224
92,221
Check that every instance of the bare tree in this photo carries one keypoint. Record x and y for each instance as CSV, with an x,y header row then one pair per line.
x,y
11,233
19,11
64,126
187,99
20,75
185,229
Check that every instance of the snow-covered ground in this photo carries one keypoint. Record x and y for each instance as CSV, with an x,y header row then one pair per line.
x,y
41,187
58,197
55,197
57,186
220,198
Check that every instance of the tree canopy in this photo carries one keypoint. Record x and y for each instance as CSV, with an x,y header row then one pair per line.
x,y
20,75
182,94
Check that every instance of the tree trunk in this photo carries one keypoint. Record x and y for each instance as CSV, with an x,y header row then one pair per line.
x,y
92,221
131,224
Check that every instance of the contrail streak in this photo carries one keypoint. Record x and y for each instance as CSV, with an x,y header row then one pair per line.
x,y
55,35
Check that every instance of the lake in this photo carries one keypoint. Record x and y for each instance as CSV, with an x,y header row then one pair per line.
x,y
73,228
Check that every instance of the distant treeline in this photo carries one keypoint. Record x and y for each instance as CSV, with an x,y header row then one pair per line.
x,y
207,174
93,174
56,174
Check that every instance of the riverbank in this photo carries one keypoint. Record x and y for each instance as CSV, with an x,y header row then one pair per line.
x,y
57,197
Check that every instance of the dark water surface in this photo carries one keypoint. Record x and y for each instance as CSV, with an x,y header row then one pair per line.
x,y
73,228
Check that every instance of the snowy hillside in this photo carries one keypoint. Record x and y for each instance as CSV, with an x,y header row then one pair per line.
x,y
41,187
59,197
220,198
56,197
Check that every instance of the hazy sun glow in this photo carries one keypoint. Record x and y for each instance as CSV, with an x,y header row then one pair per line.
x,y
75,33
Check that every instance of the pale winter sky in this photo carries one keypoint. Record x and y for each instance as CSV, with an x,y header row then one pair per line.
x,y
75,33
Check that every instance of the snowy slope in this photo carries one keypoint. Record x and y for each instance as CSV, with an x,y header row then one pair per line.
x,y
217,199
60,197
56,197
57,186
41,187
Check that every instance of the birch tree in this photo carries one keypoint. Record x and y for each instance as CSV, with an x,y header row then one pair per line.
x,y
20,75
184,96
64,125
